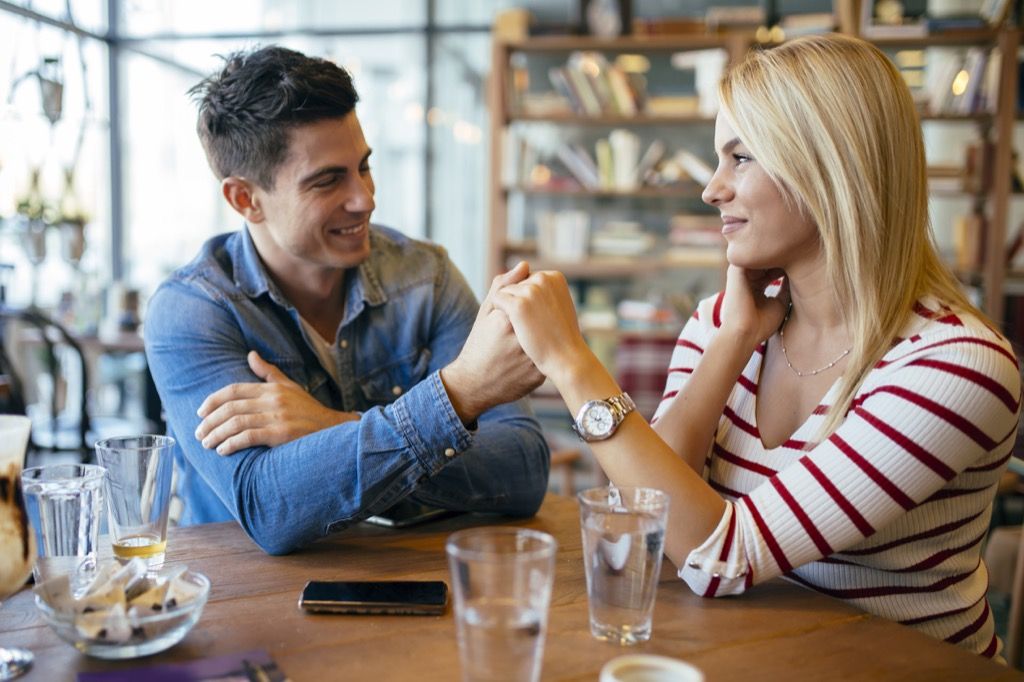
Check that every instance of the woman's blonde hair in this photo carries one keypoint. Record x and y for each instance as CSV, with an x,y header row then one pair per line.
x,y
831,121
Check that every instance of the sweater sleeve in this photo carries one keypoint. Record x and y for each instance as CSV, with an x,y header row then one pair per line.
x,y
922,417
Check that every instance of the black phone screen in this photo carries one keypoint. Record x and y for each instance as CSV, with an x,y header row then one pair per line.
x,y
412,597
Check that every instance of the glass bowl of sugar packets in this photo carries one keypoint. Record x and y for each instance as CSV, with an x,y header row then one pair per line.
x,y
125,612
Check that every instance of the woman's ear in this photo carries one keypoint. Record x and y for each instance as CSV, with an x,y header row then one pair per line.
x,y
241,196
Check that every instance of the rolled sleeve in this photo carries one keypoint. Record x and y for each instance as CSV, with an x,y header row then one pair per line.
x,y
430,425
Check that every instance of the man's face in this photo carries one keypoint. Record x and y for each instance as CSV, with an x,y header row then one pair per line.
x,y
318,212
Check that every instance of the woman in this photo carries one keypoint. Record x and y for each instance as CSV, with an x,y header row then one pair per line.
x,y
846,429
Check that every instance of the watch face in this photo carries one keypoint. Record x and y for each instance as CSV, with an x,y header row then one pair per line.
x,y
598,420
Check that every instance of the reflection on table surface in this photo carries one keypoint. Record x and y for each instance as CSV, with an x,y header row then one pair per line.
x,y
777,631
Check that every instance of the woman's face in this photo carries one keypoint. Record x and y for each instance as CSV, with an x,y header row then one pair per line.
x,y
763,231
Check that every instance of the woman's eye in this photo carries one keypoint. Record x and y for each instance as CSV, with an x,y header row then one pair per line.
x,y
741,158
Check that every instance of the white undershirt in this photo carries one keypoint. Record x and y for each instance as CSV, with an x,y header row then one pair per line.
x,y
324,349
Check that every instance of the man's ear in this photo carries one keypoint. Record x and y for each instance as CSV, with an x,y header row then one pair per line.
x,y
241,196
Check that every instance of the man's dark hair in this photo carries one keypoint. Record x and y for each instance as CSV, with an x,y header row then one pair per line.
x,y
247,109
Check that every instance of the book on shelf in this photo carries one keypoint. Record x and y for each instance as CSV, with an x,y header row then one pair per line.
x,y
945,178
807,23
882,19
954,22
655,153
605,165
708,66
962,83
719,18
621,238
593,87
967,86
669,26
672,105
995,12
563,235
580,164
969,241
512,24
695,229
696,256
624,158
695,166
978,160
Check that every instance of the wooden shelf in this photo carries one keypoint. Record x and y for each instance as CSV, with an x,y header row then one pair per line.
x,y
980,117
676,192
570,118
959,38
996,126
625,43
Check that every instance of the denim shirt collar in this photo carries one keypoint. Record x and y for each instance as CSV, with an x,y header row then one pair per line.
x,y
252,278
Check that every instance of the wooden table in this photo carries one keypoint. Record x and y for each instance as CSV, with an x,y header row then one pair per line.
x,y
777,631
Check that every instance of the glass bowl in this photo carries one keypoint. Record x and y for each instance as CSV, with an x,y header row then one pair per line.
x,y
150,634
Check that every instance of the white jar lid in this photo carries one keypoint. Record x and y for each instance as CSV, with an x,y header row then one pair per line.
x,y
649,668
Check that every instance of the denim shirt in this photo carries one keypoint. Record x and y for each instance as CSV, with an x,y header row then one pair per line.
x,y
407,314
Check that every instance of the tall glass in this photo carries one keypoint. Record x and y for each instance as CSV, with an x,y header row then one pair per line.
x,y
502,580
17,542
623,539
138,487
65,502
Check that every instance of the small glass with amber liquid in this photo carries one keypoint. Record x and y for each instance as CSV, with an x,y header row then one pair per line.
x,y
138,487
145,546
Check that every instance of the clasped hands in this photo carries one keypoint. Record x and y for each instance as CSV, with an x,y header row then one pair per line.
x,y
526,329
492,368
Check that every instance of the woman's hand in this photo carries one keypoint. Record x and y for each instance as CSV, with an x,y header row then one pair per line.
x,y
544,319
746,311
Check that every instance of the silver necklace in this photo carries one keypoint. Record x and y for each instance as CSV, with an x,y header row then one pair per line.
x,y
782,342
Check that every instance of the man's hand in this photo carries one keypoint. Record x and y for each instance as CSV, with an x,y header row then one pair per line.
x,y
541,311
491,369
277,411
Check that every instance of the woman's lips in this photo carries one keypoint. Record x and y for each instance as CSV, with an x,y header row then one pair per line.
x,y
730,224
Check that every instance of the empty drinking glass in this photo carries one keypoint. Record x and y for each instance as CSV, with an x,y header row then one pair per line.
x,y
502,580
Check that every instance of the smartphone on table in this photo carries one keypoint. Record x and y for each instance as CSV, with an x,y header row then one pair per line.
x,y
407,597
409,513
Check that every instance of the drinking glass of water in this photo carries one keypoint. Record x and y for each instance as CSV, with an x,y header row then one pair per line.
x,y
623,539
502,580
65,504
138,486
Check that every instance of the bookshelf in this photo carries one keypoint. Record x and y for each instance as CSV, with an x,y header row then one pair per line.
x,y
507,112
994,127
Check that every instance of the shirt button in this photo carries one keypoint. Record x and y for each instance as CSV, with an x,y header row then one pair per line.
x,y
396,390
343,343
449,452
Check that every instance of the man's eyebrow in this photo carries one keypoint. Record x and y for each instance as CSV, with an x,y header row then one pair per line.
x,y
331,170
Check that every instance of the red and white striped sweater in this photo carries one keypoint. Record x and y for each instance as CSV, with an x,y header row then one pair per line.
x,y
888,513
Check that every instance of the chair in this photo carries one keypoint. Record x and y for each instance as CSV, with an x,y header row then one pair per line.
x,y
53,381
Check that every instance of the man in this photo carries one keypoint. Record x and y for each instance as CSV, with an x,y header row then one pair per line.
x,y
316,369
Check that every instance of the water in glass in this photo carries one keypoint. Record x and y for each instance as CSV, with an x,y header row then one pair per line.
x,y
502,641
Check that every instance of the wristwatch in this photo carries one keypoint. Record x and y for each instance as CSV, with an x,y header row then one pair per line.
x,y
598,419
